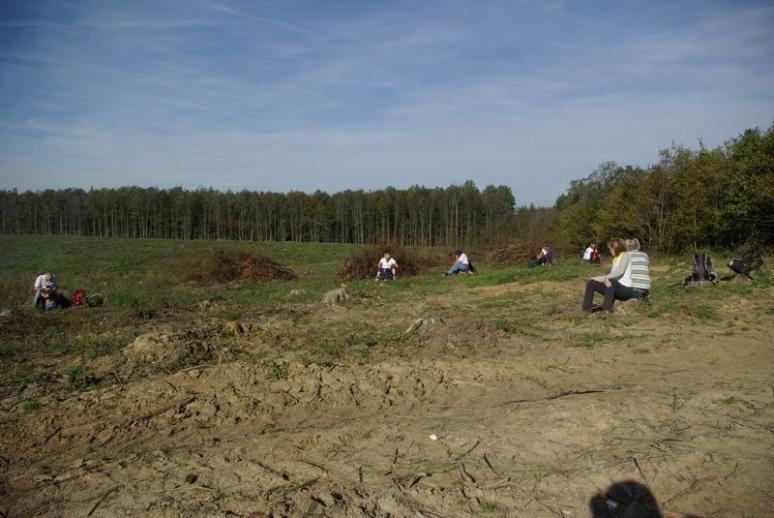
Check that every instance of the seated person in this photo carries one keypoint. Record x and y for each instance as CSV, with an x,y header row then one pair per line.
x,y
44,288
590,253
387,269
461,263
640,268
619,284
546,255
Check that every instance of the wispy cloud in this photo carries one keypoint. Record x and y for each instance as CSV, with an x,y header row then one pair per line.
x,y
259,19
335,95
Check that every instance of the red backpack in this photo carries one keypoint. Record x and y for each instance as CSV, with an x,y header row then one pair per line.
x,y
79,297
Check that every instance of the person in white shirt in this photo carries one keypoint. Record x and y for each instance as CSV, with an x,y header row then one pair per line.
x,y
461,263
587,253
44,285
387,269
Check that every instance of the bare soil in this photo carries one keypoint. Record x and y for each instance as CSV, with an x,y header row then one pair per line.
x,y
464,416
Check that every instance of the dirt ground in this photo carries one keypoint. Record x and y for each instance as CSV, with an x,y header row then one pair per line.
x,y
464,416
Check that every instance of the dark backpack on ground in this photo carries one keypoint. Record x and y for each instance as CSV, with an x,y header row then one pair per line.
x,y
703,270
750,261
79,297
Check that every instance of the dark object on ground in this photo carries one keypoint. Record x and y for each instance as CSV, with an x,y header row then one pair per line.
x,y
62,301
232,265
702,272
94,300
627,499
749,262
363,264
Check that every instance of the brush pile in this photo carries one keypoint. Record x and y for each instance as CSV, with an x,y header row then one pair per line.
x,y
511,252
519,252
233,265
363,264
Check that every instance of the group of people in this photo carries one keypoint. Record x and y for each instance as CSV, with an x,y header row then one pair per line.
x,y
591,255
387,269
629,277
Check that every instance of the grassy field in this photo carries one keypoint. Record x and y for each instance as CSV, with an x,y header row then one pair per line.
x,y
136,272
144,283
508,330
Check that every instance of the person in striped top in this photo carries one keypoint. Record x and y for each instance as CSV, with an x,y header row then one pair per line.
x,y
629,277
640,268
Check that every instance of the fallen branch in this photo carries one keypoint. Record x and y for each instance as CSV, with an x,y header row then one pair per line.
x,y
642,474
180,403
102,499
489,465
562,394
462,455
52,434
465,475
419,476
195,367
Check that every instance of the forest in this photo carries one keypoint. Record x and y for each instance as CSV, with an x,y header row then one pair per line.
x,y
721,197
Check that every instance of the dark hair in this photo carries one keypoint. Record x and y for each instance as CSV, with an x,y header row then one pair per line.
x,y
458,252
618,246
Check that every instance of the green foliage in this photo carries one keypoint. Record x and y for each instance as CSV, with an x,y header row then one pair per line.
x,y
487,507
417,216
31,405
704,312
503,325
276,371
706,198
79,377
20,380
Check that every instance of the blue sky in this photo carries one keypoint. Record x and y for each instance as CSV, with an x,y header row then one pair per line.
x,y
300,95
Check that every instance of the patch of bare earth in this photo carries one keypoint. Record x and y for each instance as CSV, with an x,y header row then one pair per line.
x,y
461,418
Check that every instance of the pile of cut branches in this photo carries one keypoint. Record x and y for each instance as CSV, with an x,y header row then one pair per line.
x,y
232,265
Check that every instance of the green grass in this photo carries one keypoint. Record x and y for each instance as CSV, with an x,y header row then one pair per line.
x,y
145,288
31,405
80,378
276,371
19,380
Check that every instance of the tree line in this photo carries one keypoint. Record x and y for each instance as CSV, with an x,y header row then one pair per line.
x,y
719,198
417,216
